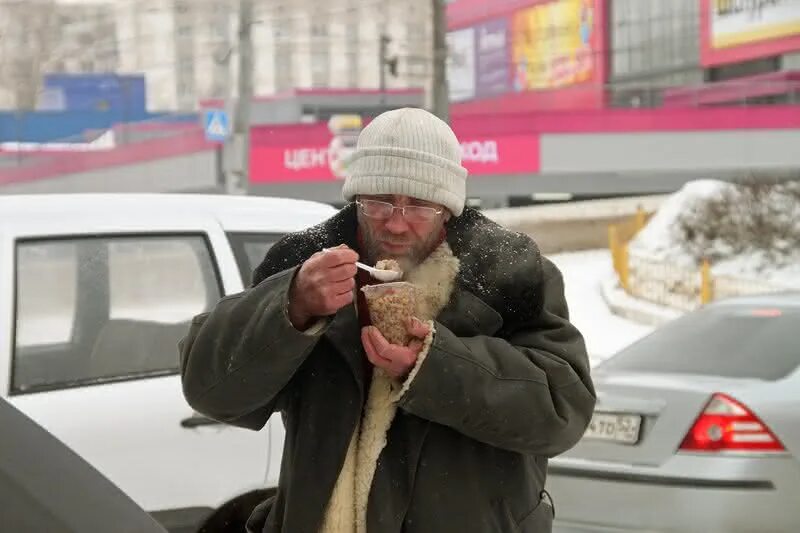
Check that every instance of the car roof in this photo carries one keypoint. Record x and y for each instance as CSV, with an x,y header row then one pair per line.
x,y
233,212
786,299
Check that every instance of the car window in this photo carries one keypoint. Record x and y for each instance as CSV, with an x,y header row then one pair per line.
x,y
99,309
734,342
46,296
249,250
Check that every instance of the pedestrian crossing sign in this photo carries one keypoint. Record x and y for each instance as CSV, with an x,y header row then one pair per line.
x,y
217,125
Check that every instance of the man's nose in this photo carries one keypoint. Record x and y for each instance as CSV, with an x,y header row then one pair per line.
x,y
397,223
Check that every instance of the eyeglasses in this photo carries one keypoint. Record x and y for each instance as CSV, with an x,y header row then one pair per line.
x,y
384,211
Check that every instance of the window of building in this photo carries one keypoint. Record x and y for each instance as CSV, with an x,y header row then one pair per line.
x,y
284,67
320,68
319,29
653,36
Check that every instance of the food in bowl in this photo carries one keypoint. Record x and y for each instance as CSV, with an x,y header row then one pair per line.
x,y
390,306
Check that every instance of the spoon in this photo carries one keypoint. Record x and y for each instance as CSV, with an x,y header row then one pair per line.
x,y
377,273
380,275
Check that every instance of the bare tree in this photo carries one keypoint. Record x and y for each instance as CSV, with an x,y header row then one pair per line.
x,y
28,34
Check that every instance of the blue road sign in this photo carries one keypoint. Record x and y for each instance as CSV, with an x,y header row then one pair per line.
x,y
217,125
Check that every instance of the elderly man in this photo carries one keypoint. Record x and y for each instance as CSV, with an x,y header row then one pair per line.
x,y
450,432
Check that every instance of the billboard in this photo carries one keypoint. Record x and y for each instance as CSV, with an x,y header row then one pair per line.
x,y
303,154
740,30
492,75
461,64
554,45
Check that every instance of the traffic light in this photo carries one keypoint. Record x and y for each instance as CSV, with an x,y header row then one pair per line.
x,y
392,64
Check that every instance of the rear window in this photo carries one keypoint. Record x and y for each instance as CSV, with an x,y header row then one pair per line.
x,y
733,342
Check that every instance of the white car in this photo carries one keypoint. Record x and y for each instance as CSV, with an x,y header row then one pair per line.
x,y
96,290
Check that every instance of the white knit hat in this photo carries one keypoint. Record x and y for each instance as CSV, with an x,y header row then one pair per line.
x,y
408,152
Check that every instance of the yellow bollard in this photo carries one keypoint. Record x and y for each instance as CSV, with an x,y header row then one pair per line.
x,y
640,218
613,246
623,267
706,283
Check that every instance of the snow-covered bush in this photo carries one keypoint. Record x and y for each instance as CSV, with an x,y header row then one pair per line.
x,y
757,216
747,230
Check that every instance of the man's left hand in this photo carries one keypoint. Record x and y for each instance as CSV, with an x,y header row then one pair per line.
x,y
397,361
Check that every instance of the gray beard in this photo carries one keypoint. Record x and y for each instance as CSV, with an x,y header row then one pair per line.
x,y
416,255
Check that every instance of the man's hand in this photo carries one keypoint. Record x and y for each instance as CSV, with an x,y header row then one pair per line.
x,y
396,361
323,285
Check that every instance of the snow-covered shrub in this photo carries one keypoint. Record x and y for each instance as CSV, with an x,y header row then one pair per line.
x,y
756,216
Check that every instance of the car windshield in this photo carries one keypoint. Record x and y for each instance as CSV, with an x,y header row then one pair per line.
x,y
734,342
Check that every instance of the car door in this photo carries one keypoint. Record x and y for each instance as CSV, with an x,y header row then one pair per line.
x,y
249,249
95,360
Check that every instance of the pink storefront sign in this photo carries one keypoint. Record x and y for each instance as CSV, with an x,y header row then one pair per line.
x,y
513,154
481,156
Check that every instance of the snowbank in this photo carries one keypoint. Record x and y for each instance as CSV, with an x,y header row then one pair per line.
x,y
605,333
777,262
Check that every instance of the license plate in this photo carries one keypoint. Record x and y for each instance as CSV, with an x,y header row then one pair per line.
x,y
614,427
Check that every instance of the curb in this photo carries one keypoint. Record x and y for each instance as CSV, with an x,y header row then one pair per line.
x,y
622,304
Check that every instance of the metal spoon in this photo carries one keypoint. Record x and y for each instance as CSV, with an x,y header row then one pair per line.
x,y
377,273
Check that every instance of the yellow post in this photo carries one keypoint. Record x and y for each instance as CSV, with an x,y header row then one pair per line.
x,y
623,267
640,219
613,246
706,283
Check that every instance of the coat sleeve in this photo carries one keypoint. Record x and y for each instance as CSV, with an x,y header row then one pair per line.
x,y
238,360
531,393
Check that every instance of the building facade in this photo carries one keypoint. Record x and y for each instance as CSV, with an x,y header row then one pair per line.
x,y
704,52
504,55
187,49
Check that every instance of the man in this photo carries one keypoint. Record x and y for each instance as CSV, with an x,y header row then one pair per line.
x,y
450,433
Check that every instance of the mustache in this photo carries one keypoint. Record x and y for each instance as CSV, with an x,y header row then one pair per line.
x,y
394,242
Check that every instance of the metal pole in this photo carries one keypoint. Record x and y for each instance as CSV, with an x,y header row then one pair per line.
x,y
441,104
237,176
382,66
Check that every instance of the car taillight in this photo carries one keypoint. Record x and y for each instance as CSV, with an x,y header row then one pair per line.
x,y
727,425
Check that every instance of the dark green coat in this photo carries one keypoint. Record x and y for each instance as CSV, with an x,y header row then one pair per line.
x,y
504,386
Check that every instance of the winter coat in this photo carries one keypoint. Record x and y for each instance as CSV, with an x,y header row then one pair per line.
x,y
502,384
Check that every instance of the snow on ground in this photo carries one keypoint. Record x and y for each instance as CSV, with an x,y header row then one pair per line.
x,y
661,240
605,332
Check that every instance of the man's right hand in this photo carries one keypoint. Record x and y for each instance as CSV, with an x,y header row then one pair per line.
x,y
323,285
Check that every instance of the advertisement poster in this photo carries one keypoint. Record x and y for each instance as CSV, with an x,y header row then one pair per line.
x,y
553,45
461,64
492,57
739,30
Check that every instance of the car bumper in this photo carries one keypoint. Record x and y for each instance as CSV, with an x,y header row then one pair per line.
x,y
688,493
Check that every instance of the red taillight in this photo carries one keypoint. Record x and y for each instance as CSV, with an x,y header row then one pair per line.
x,y
727,425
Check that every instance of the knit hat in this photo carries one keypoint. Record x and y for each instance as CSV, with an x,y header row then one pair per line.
x,y
408,152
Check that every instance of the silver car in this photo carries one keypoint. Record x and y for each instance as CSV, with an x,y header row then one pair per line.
x,y
697,428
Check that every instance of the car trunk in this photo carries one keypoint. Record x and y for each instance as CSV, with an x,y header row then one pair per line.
x,y
667,404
